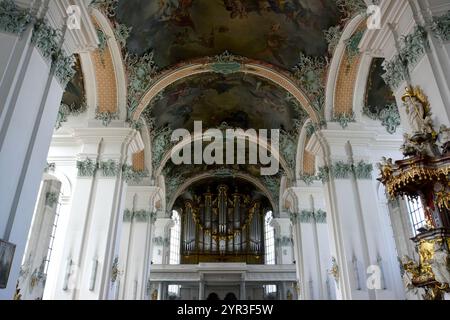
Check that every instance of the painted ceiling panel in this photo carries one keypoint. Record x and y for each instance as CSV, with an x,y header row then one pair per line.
x,y
275,31
378,94
241,100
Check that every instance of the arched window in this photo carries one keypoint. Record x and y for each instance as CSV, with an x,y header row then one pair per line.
x,y
175,239
269,239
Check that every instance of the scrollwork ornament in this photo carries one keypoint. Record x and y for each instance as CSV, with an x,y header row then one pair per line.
x,y
64,68
133,176
106,116
344,119
226,63
46,38
389,117
108,7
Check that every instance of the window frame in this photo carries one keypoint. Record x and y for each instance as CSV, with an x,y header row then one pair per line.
x,y
269,240
416,214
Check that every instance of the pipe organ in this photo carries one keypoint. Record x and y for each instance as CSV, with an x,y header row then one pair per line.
x,y
222,228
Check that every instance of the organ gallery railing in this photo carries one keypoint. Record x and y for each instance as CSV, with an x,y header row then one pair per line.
x,y
222,228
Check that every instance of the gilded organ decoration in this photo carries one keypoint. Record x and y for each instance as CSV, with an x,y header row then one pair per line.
x,y
222,227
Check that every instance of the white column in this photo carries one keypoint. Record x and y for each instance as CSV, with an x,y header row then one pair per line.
x,y
313,276
299,256
91,241
30,96
242,289
66,173
283,240
201,289
161,237
136,244
433,72
360,229
24,143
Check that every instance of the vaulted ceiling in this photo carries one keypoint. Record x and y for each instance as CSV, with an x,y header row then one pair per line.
x,y
240,100
276,34
274,31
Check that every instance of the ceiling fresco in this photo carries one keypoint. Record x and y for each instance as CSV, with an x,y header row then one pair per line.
x,y
241,100
275,31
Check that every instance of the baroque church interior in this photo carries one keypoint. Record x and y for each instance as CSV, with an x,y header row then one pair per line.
x,y
338,188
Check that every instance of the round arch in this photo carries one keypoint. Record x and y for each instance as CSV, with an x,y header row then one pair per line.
x,y
117,63
206,175
254,140
200,66
335,66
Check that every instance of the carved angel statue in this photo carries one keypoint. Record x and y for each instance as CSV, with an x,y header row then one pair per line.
x,y
440,264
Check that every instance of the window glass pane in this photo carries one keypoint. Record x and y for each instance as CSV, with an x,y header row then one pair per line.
x,y
52,237
270,288
416,214
173,289
269,238
175,239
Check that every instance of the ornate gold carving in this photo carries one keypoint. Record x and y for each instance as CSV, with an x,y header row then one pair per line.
x,y
397,177
426,253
